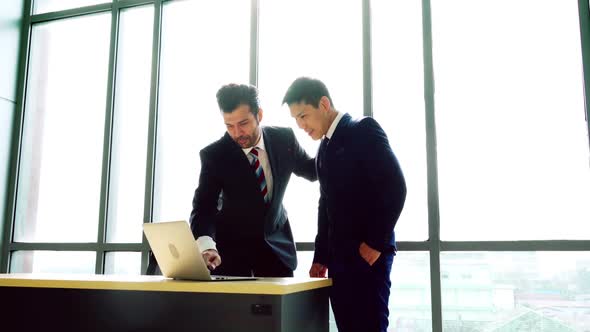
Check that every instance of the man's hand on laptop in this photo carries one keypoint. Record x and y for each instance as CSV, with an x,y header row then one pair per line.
x,y
212,258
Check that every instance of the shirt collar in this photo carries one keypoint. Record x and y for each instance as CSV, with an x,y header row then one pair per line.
x,y
334,125
259,145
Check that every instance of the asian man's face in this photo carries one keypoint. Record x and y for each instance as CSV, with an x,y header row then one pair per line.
x,y
313,120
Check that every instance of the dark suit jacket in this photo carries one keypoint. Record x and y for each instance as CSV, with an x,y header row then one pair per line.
x,y
362,191
228,205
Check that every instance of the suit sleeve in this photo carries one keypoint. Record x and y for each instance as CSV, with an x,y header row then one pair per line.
x,y
384,174
321,239
304,164
205,200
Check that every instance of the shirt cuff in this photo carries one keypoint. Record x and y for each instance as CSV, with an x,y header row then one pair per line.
x,y
205,243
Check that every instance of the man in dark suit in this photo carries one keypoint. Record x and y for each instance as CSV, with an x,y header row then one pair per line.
x,y
362,193
238,216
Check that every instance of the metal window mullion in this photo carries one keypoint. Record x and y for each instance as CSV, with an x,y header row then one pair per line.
x,y
103,218
87,10
254,32
75,246
367,60
432,169
401,245
148,212
132,3
69,13
17,128
584,15
481,246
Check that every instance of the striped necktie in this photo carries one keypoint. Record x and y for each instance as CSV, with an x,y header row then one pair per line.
x,y
259,174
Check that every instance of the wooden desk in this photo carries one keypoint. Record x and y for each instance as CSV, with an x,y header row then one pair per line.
x,y
154,303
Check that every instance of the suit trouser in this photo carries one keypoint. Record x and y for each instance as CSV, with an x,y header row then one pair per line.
x,y
360,293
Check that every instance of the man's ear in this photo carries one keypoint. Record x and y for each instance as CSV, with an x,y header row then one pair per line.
x,y
325,103
259,116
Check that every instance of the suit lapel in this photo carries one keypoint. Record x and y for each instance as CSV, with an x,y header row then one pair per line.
x,y
273,158
320,162
338,139
335,144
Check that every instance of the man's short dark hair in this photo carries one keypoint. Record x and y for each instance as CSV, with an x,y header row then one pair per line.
x,y
231,96
308,91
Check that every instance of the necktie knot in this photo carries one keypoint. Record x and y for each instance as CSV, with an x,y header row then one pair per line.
x,y
254,151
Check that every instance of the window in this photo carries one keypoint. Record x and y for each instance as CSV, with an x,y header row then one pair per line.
x,y
62,149
128,263
200,53
398,103
52,262
513,144
290,49
43,6
505,133
549,285
130,125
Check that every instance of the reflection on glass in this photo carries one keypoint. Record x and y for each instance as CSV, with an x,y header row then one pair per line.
x,y
289,49
122,263
44,6
130,125
398,102
53,262
516,291
61,158
513,145
200,53
409,303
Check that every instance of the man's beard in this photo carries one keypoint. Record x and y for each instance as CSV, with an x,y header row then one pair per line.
x,y
247,141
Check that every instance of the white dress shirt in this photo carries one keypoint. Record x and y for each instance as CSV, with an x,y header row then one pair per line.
x,y
206,242
334,125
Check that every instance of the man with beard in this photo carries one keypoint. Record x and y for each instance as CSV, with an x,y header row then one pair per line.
x,y
238,216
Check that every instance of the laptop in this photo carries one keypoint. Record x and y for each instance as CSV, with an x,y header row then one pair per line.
x,y
177,252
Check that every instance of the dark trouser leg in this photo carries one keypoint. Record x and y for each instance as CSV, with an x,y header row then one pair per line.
x,y
360,294
268,264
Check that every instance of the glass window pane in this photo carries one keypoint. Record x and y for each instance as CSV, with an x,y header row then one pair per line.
x,y
53,262
44,6
61,158
130,125
409,303
398,102
290,48
7,110
200,53
410,307
11,22
515,291
124,263
513,143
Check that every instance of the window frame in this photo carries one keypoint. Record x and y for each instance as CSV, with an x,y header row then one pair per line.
x,y
434,246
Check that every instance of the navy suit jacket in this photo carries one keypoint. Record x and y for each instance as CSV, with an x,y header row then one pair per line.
x,y
228,205
363,191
